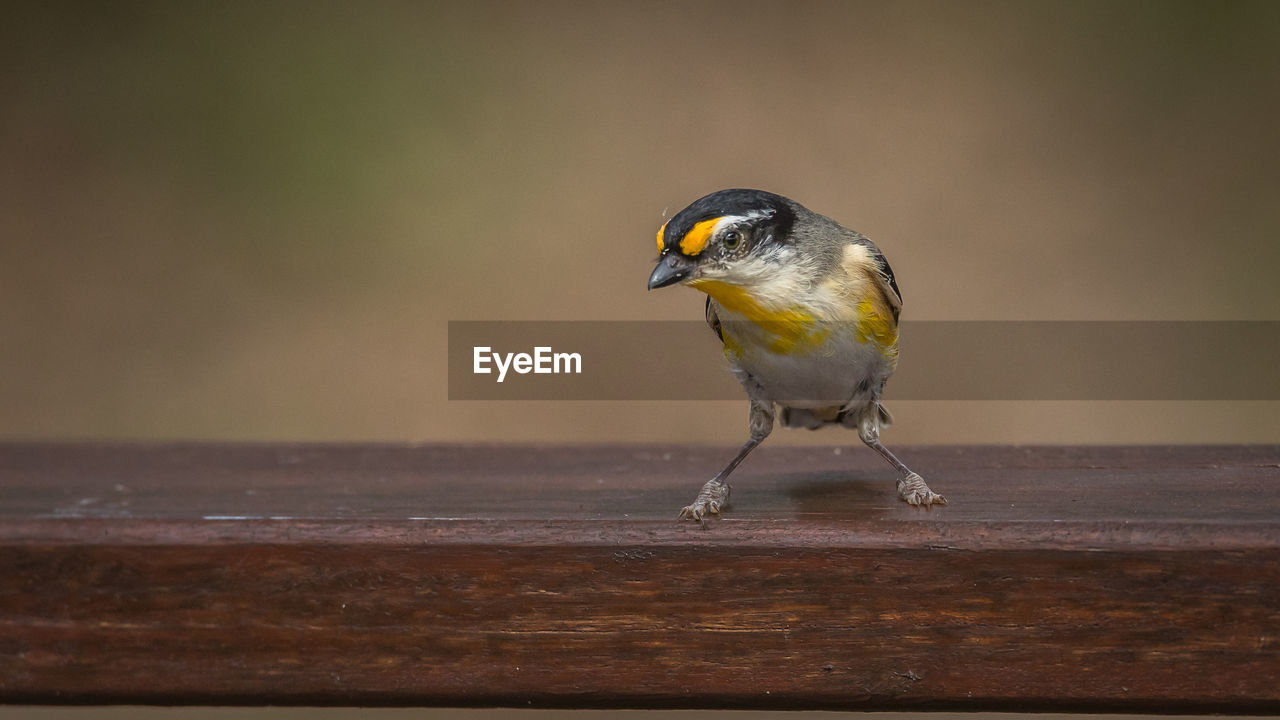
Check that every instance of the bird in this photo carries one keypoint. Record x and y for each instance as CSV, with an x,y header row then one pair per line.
x,y
807,311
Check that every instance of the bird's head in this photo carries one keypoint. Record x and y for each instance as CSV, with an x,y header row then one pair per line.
x,y
731,236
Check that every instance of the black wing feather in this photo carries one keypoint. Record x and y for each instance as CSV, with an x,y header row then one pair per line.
x,y
713,321
887,273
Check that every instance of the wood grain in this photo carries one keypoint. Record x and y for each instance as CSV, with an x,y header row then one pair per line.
x,y
1096,579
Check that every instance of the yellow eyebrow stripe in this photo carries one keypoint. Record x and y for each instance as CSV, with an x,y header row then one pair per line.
x,y
696,239
660,231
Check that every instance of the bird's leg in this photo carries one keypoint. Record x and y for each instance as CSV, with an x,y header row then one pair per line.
x,y
911,487
715,493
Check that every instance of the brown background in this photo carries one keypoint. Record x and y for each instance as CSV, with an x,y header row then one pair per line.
x,y
249,221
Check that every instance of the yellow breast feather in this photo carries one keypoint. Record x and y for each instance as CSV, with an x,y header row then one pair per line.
x,y
789,330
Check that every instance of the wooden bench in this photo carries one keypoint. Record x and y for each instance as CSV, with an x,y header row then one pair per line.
x,y
1115,579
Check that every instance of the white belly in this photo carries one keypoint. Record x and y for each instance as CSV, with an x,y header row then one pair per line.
x,y
833,371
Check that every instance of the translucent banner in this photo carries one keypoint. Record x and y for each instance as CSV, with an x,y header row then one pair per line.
x,y
942,360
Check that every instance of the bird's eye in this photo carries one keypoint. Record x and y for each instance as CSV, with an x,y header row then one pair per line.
x,y
731,239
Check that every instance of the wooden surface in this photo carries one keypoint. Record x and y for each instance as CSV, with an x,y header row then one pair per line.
x,y
1099,579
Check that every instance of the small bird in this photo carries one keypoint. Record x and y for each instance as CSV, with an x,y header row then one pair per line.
x,y
807,311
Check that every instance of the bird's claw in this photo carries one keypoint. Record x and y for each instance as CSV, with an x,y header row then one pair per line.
x,y
913,490
713,497
698,510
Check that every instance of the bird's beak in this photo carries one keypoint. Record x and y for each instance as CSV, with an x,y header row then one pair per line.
x,y
671,269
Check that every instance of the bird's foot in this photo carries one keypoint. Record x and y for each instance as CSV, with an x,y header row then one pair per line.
x,y
713,497
914,491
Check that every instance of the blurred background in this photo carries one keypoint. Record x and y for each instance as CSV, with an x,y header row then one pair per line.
x,y
245,220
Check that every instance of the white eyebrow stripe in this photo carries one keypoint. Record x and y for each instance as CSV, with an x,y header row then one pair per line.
x,y
728,220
